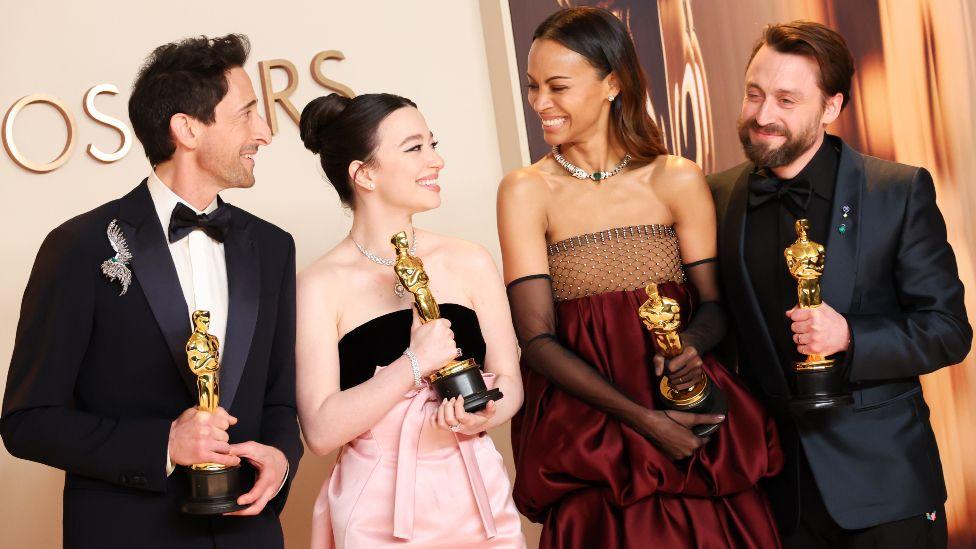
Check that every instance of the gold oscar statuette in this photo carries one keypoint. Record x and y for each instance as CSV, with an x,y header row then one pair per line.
x,y
458,377
214,488
662,318
805,260
819,384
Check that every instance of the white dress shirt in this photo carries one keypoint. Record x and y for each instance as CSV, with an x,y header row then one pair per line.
x,y
199,261
201,267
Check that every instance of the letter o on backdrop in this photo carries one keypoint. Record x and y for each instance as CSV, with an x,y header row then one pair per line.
x,y
11,145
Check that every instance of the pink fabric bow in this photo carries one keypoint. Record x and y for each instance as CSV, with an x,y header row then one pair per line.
x,y
406,469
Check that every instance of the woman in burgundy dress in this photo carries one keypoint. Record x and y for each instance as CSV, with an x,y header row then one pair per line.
x,y
583,231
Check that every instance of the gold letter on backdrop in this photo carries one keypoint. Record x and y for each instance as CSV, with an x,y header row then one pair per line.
x,y
271,96
8,133
326,82
119,126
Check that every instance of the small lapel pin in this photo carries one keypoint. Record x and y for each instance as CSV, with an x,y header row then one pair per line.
x,y
842,228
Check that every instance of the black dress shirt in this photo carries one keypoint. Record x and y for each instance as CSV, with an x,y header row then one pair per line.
x,y
770,229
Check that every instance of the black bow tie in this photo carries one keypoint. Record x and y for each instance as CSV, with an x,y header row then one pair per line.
x,y
795,194
184,221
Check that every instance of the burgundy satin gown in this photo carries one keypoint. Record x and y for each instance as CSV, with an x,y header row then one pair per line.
x,y
594,482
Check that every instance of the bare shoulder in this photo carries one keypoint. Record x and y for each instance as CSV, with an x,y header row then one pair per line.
x,y
676,176
678,170
524,183
461,255
317,278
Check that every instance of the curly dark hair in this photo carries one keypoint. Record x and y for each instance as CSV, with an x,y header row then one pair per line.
x,y
186,77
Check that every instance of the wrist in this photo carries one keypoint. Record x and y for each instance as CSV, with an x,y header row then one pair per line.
x,y
847,336
414,363
169,440
689,340
650,423
637,416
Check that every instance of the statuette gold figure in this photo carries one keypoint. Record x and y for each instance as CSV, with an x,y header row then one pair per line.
x,y
203,357
214,488
458,378
805,260
412,276
662,317
818,384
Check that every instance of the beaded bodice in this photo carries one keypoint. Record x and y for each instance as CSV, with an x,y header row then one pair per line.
x,y
625,258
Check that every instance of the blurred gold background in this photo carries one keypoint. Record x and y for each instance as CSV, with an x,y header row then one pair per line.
x,y
912,102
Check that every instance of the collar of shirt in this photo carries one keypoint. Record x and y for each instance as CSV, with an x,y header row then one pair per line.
x,y
164,200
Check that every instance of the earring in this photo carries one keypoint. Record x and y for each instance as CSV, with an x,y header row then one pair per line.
x,y
610,98
372,186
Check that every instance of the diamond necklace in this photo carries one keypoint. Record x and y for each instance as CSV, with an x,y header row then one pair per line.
x,y
580,173
398,288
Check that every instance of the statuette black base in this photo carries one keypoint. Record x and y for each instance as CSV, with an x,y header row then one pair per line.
x,y
479,401
819,390
213,492
469,385
714,402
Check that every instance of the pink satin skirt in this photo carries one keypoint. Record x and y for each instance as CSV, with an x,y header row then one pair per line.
x,y
406,483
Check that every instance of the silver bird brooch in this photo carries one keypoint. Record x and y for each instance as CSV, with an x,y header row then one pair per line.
x,y
117,267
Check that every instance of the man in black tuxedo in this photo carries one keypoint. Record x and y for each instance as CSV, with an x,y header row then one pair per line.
x,y
99,383
868,473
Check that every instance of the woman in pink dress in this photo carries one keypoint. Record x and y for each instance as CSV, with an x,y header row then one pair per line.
x,y
412,470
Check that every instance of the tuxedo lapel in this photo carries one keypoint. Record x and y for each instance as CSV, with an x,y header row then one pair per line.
x,y
244,292
742,296
152,266
840,264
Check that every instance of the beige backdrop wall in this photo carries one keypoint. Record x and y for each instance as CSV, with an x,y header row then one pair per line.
x,y
431,51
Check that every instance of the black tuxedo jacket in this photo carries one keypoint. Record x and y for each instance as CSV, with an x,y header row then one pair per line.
x,y
893,275
97,378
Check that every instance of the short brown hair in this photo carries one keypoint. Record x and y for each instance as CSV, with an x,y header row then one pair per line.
x,y
818,42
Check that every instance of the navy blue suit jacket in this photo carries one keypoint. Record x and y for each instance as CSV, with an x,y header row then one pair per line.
x,y
97,378
893,275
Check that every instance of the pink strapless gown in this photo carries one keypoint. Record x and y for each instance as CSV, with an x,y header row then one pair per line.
x,y
408,484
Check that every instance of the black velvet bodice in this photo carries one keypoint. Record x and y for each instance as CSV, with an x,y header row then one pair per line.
x,y
380,341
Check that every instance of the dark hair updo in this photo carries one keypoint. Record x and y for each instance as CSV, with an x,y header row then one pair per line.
x,y
341,130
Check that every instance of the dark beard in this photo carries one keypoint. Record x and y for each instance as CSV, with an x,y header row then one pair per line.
x,y
766,157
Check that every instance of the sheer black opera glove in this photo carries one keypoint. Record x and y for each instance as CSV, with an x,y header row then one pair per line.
x,y
705,330
534,317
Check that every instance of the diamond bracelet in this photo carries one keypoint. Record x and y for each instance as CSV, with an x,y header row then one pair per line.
x,y
414,366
